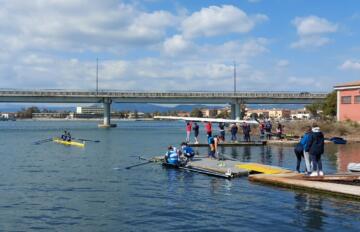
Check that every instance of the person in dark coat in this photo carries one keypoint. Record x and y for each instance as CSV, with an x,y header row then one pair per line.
x,y
246,131
316,149
234,130
196,132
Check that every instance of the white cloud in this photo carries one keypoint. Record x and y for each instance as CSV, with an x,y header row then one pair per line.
x,y
241,51
310,41
180,48
351,65
80,25
176,45
311,31
219,20
282,63
313,25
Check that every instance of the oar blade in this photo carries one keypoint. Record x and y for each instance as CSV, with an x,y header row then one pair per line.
x,y
42,141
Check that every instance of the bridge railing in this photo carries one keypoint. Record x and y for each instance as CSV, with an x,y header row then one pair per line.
x,y
135,94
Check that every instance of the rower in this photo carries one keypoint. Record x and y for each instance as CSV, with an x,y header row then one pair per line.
x,y
68,137
187,151
64,135
213,143
172,156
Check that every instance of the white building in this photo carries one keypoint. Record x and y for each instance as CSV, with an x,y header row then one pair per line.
x,y
89,110
300,114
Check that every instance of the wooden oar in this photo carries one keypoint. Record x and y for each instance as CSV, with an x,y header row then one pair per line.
x,y
42,141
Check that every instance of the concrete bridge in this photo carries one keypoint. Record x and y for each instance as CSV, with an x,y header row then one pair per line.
x,y
235,99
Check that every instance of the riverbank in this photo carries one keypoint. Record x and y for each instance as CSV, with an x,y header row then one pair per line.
x,y
348,130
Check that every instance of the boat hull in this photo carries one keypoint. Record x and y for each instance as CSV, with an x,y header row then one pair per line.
x,y
68,143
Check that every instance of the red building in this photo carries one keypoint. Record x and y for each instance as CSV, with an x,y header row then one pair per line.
x,y
348,101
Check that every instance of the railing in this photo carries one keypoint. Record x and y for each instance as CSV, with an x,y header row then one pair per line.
x,y
139,94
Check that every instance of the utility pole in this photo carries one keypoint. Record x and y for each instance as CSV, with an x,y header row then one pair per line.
x,y
234,77
97,75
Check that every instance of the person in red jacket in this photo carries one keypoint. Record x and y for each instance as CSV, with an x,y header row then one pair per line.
x,y
208,129
188,131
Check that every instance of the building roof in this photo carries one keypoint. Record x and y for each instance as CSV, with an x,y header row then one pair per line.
x,y
348,84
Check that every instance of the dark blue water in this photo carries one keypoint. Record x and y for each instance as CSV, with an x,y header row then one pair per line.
x,y
52,187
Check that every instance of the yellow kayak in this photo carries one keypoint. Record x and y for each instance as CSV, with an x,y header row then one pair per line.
x,y
69,143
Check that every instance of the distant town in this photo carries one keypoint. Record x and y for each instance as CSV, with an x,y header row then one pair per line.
x,y
95,112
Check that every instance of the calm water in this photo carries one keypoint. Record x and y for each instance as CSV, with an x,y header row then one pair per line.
x,y
52,187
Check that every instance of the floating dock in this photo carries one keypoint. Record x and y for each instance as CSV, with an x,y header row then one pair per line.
x,y
286,142
345,185
225,168
231,144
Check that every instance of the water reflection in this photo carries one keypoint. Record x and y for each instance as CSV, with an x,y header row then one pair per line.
x,y
217,185
281,156
246,154
309,211
266,155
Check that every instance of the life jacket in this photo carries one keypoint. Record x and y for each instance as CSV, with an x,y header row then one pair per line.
x,y
172,157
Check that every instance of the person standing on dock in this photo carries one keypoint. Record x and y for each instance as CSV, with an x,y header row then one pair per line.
x,y
208,129
213,142
196,132
316,149
246,131
188,131
262,129
300,151
234,130
268,128
279,130
305,143
222,131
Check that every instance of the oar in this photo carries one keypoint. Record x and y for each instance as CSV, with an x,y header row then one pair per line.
x,y
42,141
136,165
88,140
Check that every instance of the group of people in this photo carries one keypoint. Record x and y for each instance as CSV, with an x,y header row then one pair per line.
x,y
246,128
175,156
265,128
310,148
66,136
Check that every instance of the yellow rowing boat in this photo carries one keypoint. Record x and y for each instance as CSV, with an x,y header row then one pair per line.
x,y
69,143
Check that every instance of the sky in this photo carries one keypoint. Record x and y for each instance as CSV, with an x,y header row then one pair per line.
x,y
188,45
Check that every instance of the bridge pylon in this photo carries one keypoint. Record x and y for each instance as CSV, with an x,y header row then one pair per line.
x,y
107,114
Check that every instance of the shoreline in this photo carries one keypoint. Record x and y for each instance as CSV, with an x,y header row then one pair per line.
x,y
83,119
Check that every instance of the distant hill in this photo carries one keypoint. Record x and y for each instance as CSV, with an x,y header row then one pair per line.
x,y
147,108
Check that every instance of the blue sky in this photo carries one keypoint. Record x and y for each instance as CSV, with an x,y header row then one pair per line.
x,y
164,45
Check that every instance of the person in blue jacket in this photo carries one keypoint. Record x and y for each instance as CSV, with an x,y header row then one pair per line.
x,y
316,149
305,143
172,156
300,151
187,151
